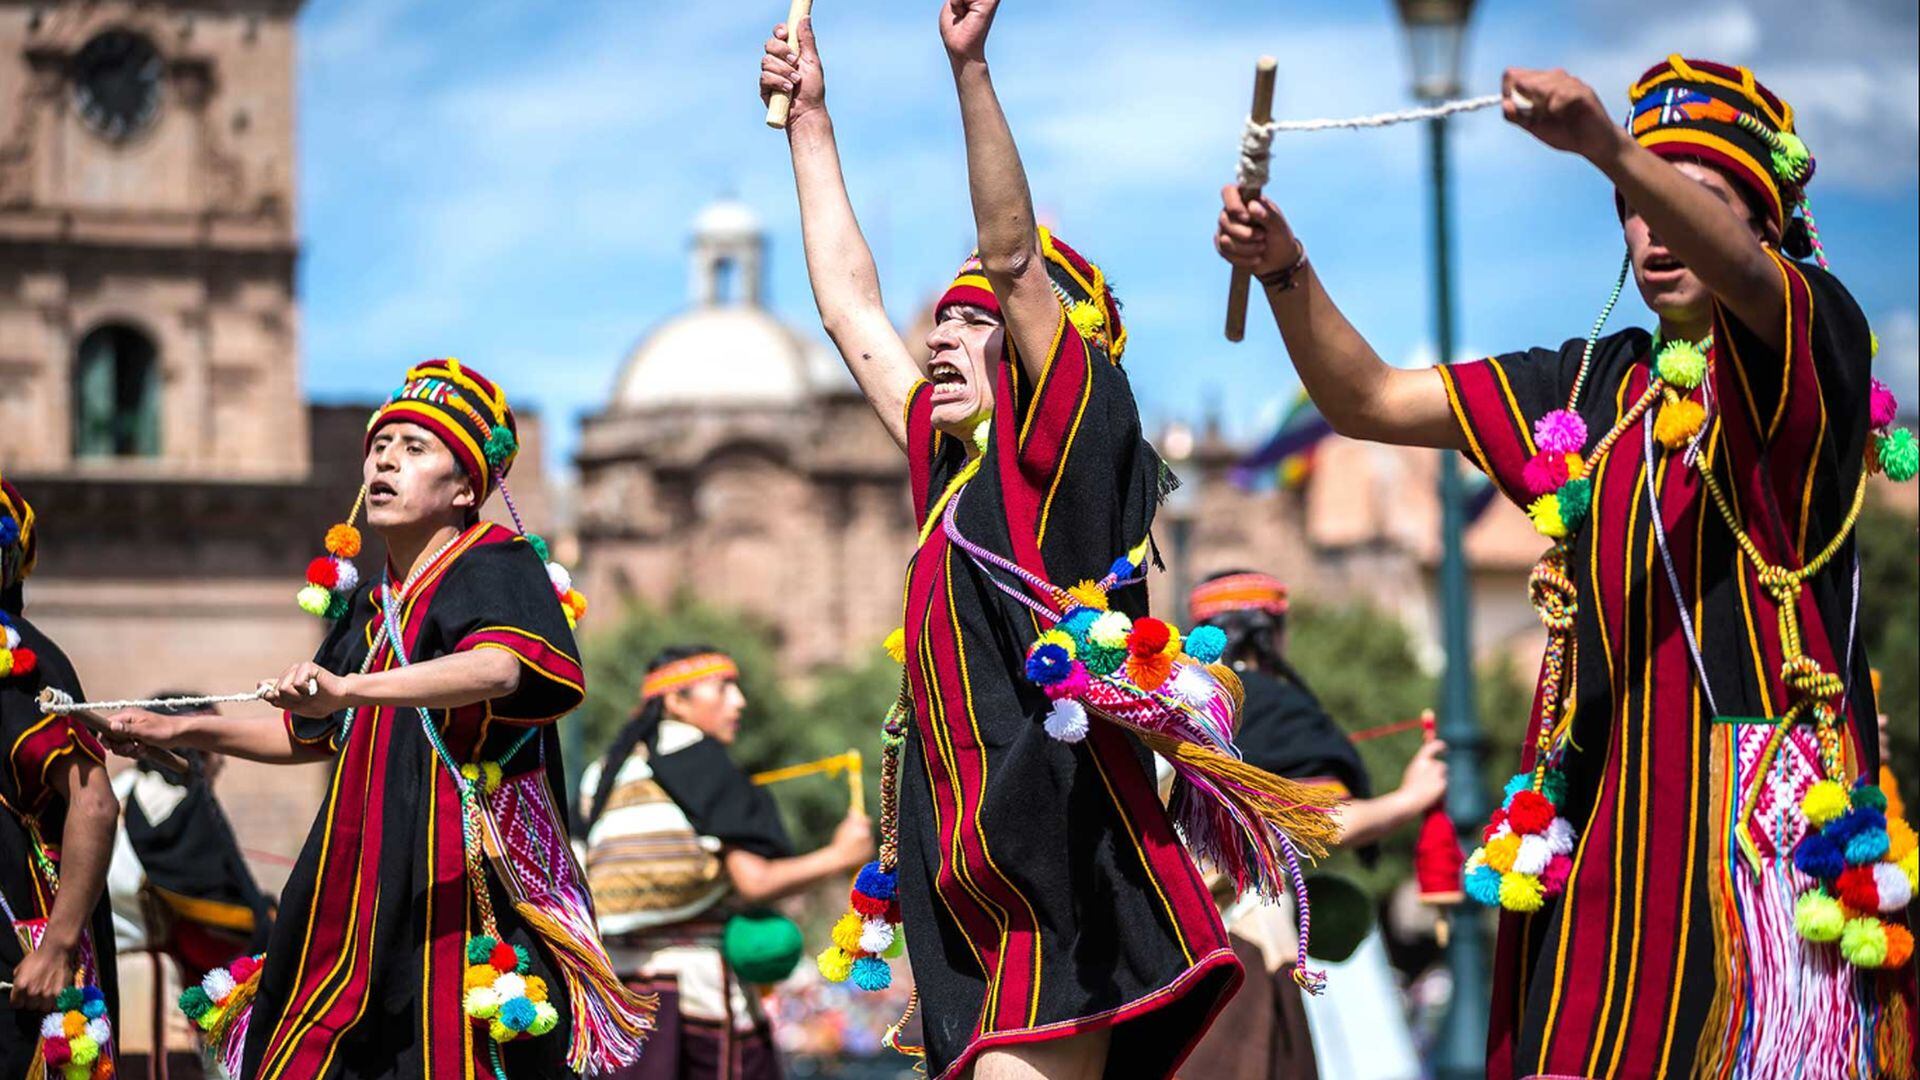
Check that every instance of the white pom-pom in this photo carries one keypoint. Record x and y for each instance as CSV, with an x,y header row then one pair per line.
x,y
99,1030
13,637
1067,721
1500,830
1892,885
1532,856
348,574
1476,860
562,581
218,983
1560,836
1194,684
876,936
54,1025
510,986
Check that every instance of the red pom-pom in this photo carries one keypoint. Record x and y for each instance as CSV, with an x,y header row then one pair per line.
x,y
1529,813
1149,636
1857,889
1544,473
1553,880
243,968
869,906
323,572
56,1051
24,661
502,958
1494,822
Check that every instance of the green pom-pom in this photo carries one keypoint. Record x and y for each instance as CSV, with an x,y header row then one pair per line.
x,y
1864,942
1899,456
545,1018
500,445
1682,365
1818,917
522,963
195,1002
1576,498
338,605
479,949
68,999
981,433
539,545
1791,157
1869,797
1103,659
1554,787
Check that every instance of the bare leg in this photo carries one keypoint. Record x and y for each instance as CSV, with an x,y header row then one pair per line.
x,y
1078,1057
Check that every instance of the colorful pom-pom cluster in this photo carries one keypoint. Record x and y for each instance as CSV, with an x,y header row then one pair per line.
x,y
1557,486
501,995
1527,849
1682,366
332,577
1863,864
76,1038
868,935
16,660
1895,451
571,600
213,1001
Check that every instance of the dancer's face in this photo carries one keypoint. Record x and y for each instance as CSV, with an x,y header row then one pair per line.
x,y
413,479
1666,284
713,706
962,347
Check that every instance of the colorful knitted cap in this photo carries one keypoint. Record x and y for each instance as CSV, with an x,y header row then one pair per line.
x,y
18,542
1080,285
464,409
1719,114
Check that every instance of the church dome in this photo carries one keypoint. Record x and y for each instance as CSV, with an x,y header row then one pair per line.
x,y
727,348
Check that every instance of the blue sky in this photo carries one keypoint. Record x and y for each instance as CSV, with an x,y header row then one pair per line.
x,y
511,183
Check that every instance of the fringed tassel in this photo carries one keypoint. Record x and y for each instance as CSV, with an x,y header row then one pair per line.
x,y
1303,813
1893,1045
610,1022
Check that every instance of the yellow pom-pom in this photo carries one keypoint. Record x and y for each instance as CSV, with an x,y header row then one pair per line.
x,y
846,932
1824,801
1545,514
500,1032
1873,345
1910,865
1089,594
478,975
536,989
74,1023
1502,850
1678,422
1520,892
1174,641
343,540
83,1049
490,776
896,645
575,603
481,1002
6,663
1087,318
314,600
1900,839
834,964
1576,466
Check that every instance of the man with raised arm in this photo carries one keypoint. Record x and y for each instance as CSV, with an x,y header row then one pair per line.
x,y
1695,880
1055,924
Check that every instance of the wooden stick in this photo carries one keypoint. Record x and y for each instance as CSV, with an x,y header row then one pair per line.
x,y
156,755
850,763
779,103
1242,281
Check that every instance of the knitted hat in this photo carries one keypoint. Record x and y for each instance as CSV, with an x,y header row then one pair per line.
x,y
1719,114
18,542
464,409
1080,285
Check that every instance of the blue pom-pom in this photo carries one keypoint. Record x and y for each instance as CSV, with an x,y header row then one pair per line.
x,y
1855,821
93,993
1819,857
1122,568
1868,846
1077,623
1520,782
517,1014
9,530
871,973
1483,886
875,882
1048,664
1206,643
95,1009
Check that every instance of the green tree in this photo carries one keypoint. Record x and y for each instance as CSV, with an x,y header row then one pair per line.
x,y
1890,629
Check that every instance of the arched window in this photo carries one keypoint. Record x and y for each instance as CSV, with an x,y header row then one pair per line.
x,y
116,394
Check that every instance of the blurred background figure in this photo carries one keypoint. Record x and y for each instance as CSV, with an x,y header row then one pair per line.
x,y
180,889
683,853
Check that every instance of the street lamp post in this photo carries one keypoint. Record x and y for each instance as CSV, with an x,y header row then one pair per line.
x,y
1436,37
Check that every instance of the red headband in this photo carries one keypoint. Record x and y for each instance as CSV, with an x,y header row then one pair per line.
x,y
684,673
1237,592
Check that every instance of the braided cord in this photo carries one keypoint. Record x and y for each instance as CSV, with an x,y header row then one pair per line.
x,y
1593,335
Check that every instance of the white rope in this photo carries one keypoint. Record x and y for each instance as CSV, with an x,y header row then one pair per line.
x,y
60,703
1256,139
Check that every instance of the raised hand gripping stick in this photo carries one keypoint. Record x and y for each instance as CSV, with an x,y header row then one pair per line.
x,y
779,103
1262,112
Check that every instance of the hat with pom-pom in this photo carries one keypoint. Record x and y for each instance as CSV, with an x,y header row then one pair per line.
x,y
18,539
1080,286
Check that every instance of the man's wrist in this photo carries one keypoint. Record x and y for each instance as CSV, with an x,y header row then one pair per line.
x,y
1610,149
811,123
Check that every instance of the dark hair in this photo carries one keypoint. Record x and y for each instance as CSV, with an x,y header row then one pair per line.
x,y
639,727
1250,638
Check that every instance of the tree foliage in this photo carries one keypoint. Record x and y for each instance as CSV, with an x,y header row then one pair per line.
x,y
1890,629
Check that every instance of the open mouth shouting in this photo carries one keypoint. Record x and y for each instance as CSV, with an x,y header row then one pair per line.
x,y
949,381
381,493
